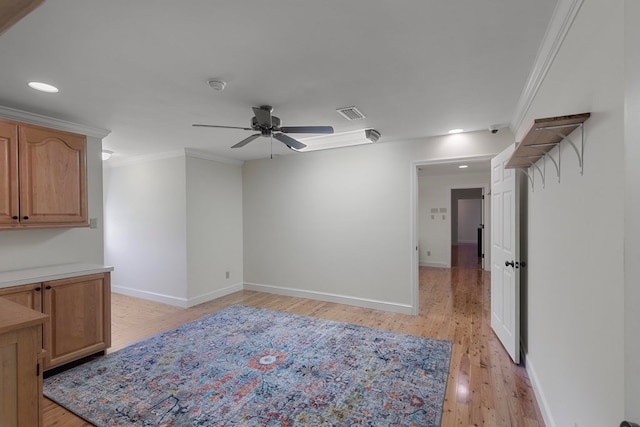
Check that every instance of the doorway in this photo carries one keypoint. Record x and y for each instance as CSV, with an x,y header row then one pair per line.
x,y
431,185
467,227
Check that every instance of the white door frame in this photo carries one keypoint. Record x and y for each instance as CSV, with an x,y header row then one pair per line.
x,y
413,211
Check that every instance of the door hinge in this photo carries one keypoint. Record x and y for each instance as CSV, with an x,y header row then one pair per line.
x,y
482,256
37,369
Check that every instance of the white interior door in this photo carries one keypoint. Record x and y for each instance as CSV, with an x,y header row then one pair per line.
x,y
505,272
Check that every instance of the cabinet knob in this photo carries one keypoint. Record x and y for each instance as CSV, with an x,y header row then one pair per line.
x,y
14,217
48,287
37,289
25,217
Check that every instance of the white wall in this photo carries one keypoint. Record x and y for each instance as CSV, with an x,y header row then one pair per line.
x,y
145,229
214,228
469,217
575,288
174,228
33,248
337,223
435,235
632,210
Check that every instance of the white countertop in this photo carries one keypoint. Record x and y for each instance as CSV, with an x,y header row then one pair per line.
x,y
51,272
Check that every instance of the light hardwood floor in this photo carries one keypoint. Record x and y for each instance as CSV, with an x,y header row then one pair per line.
x,y
484,386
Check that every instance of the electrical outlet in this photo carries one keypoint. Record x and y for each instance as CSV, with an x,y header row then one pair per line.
x,y
226,275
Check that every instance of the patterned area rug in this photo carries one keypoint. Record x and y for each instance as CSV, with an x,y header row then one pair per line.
x,y
246,366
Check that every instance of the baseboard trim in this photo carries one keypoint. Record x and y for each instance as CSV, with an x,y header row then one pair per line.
x,y
152,296
299,293
540,398
179,302
329,297
434,264
218,293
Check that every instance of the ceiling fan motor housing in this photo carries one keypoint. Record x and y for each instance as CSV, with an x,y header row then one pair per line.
x,y
275,124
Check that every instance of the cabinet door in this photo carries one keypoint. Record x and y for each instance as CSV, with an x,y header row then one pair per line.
x,y
53,178
80,318
20,379
9,209
27,295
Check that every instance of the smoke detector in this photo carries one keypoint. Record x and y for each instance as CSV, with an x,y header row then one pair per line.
x,y
216,84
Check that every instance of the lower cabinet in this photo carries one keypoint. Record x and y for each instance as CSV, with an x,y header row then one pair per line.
x,y
80,313
20,367
79,310
26,295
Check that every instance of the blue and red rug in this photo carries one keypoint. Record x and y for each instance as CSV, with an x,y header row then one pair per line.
x,y
245,366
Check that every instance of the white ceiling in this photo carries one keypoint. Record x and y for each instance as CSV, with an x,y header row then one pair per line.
x,y
415,68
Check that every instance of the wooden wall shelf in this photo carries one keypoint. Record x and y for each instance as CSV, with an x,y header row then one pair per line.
x,y
544,135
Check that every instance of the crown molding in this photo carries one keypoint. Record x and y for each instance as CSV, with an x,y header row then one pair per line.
x,y
115,162
563,17
50,122
192,152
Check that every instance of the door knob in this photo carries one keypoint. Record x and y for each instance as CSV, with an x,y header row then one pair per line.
x,y
508,263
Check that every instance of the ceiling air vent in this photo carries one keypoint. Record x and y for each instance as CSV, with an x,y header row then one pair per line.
x,y
350,113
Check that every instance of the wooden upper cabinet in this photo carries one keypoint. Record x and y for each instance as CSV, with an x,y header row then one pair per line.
x,y
50,177
9,207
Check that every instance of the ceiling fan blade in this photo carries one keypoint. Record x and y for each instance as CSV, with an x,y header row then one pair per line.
x,y
246,141
288,141
306,129
224,127
263,115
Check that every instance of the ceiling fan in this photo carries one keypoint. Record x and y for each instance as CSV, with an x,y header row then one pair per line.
x,y
268,125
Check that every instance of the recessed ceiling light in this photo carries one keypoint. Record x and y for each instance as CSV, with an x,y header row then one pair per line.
x,y
463,166
456,131
43,87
